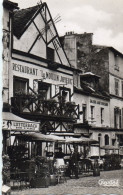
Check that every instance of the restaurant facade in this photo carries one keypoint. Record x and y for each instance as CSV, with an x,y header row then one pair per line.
x,y
39,87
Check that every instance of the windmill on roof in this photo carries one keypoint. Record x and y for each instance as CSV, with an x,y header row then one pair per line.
x,y
35,28
48,25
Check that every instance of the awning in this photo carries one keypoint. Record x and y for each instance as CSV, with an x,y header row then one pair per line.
x,y
82,140
109,148
40,137
15,123
119,133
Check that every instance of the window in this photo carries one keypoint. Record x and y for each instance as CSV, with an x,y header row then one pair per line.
x,y
20,85
44,90
113,142
106,140
102,115
122,119
65,93
117,117
116,87
50,54
92,112
84,112
116,65
122,88
99,138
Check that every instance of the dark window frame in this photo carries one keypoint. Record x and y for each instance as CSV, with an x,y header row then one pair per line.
x,y
20,79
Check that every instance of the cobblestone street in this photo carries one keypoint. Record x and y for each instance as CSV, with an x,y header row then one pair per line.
x,y
84,185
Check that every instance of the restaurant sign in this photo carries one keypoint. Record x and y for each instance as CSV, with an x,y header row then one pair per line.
x,y
43,73
20,125
98,102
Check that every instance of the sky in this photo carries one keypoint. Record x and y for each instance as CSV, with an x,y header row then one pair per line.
x,y
103,18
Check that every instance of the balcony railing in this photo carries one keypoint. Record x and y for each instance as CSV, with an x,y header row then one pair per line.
x,y
45,107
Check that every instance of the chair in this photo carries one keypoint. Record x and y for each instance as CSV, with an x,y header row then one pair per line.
x,y
61,173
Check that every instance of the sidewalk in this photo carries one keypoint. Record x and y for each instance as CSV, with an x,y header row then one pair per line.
x,y
84,185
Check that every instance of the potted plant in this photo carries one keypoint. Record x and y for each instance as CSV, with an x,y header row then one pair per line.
x,y
42,176
6,169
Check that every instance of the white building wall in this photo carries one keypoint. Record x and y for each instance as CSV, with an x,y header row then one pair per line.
x,y
98,104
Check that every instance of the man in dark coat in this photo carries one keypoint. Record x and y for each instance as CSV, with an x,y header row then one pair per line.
x,y
74,158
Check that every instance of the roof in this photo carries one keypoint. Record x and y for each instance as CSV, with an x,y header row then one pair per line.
x,y
110,48
22,18
86,90
10,5
88,75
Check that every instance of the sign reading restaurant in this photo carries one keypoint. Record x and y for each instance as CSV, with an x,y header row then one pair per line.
x,y
20,125
42,73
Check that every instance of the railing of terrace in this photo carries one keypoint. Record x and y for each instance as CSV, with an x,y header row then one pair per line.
x,y
33,104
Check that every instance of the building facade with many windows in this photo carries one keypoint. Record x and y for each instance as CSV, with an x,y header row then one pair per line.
x,y
107,63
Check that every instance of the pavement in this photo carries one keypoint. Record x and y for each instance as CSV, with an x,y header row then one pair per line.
x,y
108,183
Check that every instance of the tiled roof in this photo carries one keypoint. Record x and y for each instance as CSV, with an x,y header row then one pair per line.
x,y
22,17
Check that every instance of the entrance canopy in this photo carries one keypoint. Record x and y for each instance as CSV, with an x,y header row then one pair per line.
x,y
40,137
15,123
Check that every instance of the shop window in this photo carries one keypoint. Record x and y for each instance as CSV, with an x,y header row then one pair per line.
x,y
92,112
102,115
20,86
84,108
116,87
44,90
50,54
106,140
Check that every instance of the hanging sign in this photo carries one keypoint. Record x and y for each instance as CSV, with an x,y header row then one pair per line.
x,y
19,125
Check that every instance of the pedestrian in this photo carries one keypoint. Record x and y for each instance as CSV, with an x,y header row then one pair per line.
x,y
74,158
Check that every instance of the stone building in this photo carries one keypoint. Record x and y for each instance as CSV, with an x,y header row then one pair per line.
x,y
107,63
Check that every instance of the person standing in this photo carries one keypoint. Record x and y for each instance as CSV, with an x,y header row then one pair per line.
x,y
74,158
59,157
